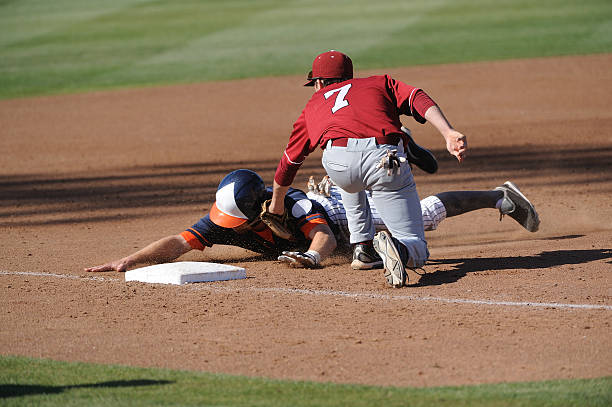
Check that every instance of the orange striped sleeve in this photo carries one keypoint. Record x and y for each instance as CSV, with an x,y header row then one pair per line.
x,y
266,234
311,223
189,236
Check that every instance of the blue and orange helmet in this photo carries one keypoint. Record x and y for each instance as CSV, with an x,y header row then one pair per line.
x,y
238,199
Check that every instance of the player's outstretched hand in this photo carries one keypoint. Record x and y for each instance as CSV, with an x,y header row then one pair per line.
x,y
117,265
456,144
299,260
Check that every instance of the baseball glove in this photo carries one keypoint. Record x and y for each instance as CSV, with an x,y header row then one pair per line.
x,y
277,223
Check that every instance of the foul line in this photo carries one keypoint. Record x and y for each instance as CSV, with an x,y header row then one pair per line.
x,y
69,276
365,295
332,293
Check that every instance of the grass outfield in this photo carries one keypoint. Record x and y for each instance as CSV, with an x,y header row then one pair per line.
x,y
78,45
25,381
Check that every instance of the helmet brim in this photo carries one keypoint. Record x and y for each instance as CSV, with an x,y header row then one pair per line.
x,y
224,220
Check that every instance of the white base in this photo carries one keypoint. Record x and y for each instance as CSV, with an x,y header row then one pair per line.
x,y
185,272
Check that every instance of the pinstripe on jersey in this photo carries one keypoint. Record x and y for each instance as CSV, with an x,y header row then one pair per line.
x,y
432,209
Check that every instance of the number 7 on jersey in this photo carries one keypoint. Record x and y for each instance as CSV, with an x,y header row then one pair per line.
x,y
340,101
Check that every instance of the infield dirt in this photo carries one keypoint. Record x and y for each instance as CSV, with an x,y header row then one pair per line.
x,y
89,178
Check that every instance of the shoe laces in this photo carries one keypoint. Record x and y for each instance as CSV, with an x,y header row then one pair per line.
x,y
423,271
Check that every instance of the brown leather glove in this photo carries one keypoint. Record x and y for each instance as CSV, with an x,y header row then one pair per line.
x,y
277,223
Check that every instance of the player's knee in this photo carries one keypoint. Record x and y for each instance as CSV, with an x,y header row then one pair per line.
x,y
417,252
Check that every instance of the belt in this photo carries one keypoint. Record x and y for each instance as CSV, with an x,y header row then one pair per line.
x,y
392,140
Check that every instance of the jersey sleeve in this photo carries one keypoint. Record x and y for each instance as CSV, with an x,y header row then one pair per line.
x,y
295,153
411,101
201,234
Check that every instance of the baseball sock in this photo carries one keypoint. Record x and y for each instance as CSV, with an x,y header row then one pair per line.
x,y
460,202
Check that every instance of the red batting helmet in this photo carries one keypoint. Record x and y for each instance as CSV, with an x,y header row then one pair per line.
x,y
330,65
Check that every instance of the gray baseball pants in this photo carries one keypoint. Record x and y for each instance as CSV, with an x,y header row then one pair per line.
x,y
353,169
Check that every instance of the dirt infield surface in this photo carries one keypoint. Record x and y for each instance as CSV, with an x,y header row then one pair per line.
x,y
89,178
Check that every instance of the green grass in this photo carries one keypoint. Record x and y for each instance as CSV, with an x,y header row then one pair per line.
x,y
78,45
25,381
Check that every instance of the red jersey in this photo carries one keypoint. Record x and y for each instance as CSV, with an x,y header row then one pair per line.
x,y
355,108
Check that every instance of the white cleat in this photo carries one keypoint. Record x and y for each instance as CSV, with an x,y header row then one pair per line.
x,y
395,271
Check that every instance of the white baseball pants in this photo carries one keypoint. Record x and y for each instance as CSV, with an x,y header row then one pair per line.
x,y
354,170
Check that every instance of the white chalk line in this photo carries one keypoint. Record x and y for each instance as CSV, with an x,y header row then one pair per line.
x,y
366,295
69,276
332,293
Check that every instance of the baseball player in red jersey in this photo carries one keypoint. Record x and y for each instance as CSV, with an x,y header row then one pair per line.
x,y
357,123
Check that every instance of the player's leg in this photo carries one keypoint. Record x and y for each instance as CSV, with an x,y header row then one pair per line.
x,y
404,243
460,202
361,230
401,212
436,208
507,198
395,197
343,166
358,216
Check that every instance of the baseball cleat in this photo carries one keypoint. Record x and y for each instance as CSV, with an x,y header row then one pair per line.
x,y
365,257
419,156
517,206
387,249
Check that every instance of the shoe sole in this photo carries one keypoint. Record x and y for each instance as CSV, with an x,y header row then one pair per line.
x,y
395,272
359,265
536,222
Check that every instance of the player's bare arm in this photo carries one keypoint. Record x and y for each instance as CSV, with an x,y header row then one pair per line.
x,y
277,206
323,243
322,240
456,143
164,250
